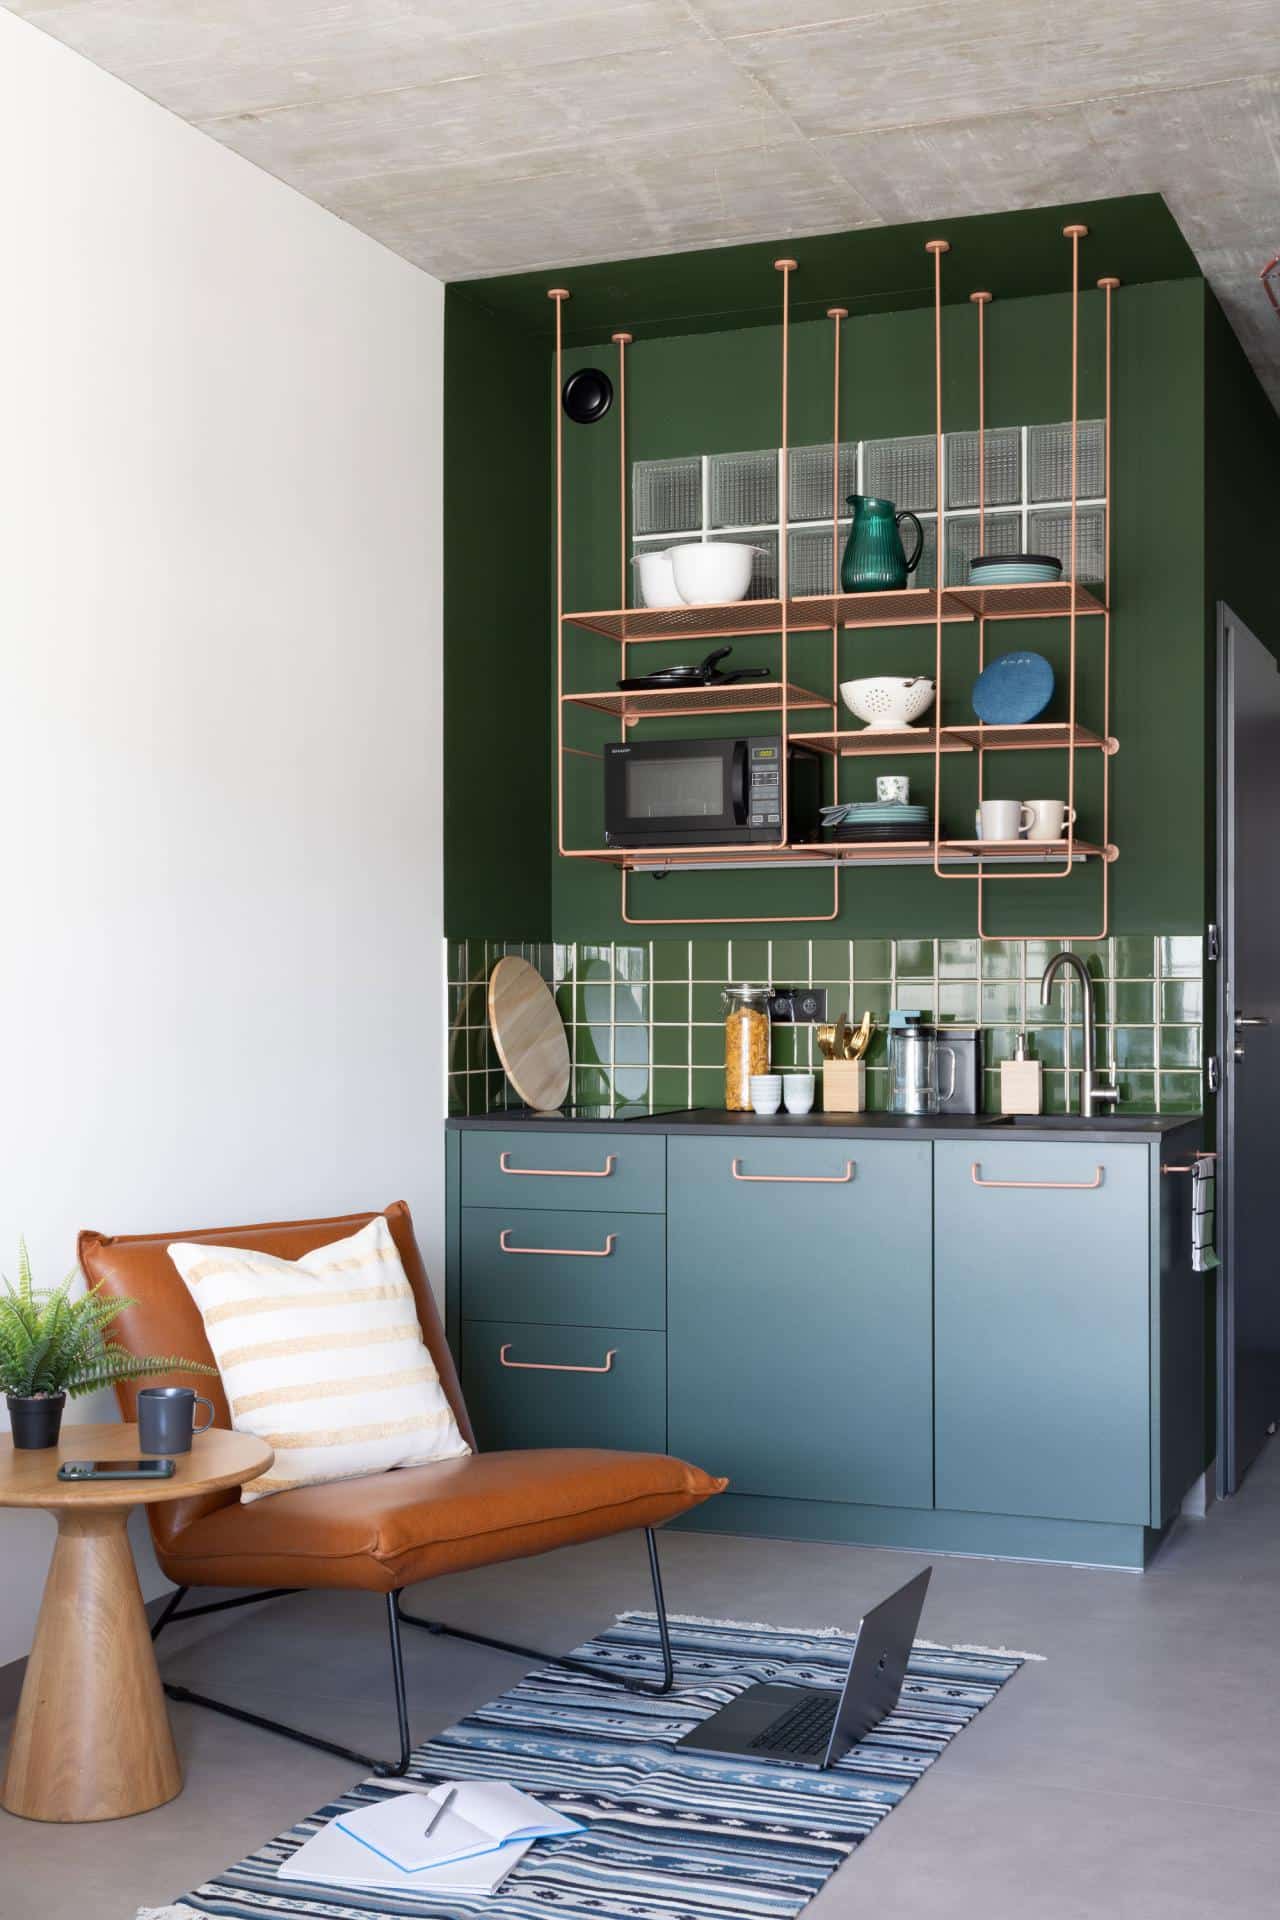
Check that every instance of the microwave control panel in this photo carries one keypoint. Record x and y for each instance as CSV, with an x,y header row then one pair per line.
x,y
764,794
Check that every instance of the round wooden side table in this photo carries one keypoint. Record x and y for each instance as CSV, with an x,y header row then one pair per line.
x,y
92,1739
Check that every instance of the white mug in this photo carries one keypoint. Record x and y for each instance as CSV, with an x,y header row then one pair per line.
x,y
1048,819
893,786
1003,819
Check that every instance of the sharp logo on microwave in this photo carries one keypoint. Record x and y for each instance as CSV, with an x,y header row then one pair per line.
x,y
617,749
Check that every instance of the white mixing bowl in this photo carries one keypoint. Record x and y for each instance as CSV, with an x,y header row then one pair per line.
x,y
887,702
657,581
709,572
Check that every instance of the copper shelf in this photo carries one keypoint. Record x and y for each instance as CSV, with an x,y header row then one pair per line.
x,y
1052,599
1023,849
716,622
1035,734
818,612
666,703
857,741
816,853
854,743
906,607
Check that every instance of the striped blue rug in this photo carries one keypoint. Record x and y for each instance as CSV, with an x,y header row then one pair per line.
x,y
669,1835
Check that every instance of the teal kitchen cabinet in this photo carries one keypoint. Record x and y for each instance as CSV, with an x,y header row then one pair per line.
x,y
1043,1329
563,1386
799,1314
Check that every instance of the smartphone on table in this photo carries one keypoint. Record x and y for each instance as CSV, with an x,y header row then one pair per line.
x,y
116,1470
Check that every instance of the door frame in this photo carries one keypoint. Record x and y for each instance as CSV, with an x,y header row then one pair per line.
x,y
1224,1012
1227,624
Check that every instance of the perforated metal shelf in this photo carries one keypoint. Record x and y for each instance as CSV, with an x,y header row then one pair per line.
x,y
664,703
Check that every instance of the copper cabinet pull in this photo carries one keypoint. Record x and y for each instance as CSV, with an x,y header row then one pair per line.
x,y
1039,1186
574,1253
561,1173
550,1366
798,1179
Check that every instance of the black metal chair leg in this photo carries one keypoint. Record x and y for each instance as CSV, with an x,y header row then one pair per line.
x,y
384,1769
566,1660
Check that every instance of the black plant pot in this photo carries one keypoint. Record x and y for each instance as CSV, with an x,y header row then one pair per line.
x,y
36,1422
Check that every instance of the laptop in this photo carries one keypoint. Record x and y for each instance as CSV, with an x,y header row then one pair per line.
x,y
812,1726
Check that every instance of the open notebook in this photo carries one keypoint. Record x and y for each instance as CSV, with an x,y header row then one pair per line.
x,y
486,1828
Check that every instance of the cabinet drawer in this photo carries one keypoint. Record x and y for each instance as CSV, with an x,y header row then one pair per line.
x,y
585,1172
582,1269
531,1386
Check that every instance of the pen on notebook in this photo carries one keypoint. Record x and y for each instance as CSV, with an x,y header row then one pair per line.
x,y
439,1809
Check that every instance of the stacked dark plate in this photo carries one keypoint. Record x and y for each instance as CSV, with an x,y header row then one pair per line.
x,y
863,821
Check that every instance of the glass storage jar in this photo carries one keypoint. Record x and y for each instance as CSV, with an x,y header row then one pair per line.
x,y
746,1043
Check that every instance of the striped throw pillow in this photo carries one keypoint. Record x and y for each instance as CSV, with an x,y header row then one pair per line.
x,y
323,1358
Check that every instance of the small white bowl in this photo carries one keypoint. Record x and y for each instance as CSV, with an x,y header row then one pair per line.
x,y
888,702
657,581
711,572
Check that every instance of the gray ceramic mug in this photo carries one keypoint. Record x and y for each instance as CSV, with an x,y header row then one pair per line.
x,y
167,1419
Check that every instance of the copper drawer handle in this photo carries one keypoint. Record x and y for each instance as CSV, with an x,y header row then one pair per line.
x,y
797,1179
550,1366
561,1173
574,1253
1038,1186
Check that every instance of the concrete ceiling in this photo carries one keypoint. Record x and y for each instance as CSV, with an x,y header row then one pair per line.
x,y
490,136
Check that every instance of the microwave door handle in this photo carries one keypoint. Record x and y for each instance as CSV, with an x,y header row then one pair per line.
x,y
738,783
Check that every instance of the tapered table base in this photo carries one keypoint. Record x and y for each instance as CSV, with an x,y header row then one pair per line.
x,y
92,1740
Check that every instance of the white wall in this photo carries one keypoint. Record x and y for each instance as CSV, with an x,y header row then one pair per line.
x,y
220,897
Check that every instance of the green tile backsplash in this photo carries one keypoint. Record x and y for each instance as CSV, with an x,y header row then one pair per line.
x,y
644,1019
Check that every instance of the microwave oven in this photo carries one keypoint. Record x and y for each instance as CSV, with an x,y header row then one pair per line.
x,y
708,793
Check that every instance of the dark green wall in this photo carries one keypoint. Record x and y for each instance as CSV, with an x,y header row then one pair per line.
x,y
498,662
719,392
1242,483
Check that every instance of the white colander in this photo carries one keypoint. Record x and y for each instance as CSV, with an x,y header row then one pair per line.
x,y
886,703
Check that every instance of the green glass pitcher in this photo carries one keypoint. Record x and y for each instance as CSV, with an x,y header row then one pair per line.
x,y
875,560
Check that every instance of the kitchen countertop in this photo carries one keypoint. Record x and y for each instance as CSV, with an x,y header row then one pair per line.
x,y
871,1126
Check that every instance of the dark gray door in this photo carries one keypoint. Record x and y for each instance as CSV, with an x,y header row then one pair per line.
x,y
1249,1046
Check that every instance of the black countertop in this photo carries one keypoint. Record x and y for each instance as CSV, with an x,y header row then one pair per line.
x,y
871,1126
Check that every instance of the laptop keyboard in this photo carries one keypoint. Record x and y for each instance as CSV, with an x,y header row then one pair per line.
x,y
802,1728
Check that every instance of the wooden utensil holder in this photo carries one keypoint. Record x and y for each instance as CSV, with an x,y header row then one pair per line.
x,y
844,1086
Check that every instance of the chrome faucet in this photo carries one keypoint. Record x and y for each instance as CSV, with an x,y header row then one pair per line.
x,y
1091,1094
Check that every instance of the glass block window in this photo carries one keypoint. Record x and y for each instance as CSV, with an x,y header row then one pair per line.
x,y
744,489
666,496
1027,486
904,471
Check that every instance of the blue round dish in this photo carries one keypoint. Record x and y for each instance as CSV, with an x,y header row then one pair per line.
x,y
1013,689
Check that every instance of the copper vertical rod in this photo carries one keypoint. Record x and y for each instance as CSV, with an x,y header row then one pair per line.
x,y
981,301
1074,232
622,340
559,295
937,248
836,315
786,268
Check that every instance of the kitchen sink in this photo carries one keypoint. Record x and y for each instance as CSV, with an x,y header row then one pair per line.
x,y
1076,1122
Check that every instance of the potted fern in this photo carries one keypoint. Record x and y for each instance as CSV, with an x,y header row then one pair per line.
x,y
52,1345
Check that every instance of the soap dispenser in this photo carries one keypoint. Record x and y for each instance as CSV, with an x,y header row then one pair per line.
x,y
1020,1090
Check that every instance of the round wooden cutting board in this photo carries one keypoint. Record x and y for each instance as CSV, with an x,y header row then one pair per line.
x,y
528,1033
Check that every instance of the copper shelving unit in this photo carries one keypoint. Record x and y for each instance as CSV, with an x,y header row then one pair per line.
x,y
835,612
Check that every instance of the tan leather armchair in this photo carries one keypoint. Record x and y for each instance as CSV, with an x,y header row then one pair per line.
x,y
390,1530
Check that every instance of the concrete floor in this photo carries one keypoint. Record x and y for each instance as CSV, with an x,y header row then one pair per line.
x,y
1132,1775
